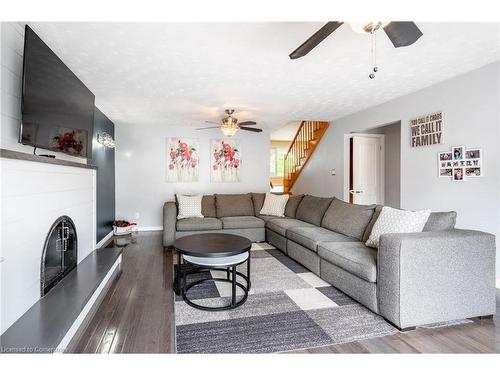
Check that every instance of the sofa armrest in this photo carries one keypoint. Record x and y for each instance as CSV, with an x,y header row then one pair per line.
x,y
432,277
169,223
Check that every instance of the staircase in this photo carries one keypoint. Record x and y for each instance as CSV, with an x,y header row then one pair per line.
x,y
303,145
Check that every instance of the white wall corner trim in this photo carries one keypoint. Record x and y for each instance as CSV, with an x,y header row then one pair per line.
x,y
102,242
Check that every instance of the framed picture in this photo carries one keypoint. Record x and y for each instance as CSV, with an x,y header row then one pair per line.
x,y
182,160
458,152
446,172
445,156
473,153
460,163
458,174
225,160
473,172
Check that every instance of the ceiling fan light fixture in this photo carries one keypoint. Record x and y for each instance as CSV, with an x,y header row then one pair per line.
x,y
229,130
364,27
229,125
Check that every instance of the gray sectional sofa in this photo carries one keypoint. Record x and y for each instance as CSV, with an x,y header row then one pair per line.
x,y
412,279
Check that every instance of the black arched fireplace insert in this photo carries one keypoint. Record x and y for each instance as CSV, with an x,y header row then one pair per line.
x,y
59,255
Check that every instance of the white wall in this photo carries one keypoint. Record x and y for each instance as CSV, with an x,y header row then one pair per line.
x,y
470,106
12,46
141,185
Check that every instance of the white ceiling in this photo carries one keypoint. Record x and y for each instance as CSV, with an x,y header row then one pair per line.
x,y
179,74
285,132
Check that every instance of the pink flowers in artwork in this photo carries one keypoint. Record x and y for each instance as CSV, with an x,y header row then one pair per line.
x,y
226,161
183,160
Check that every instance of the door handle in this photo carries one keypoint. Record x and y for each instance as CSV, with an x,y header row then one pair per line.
x,y
356,191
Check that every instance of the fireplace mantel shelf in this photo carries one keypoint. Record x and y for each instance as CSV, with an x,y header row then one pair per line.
x,y
10,154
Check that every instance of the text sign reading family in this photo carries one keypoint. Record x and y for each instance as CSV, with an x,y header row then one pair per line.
x,y
427,130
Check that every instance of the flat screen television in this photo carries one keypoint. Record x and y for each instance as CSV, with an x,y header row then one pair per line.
x,y
57,109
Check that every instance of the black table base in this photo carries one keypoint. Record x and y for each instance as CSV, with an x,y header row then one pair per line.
x,y
182,288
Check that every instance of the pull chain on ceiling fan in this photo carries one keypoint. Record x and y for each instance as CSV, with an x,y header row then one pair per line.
x,y
373,41
401,34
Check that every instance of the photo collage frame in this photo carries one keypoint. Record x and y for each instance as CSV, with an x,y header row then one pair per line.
x,y
460,163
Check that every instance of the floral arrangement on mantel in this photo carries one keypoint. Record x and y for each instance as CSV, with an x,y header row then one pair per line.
x,y
183,160
226,161
122,227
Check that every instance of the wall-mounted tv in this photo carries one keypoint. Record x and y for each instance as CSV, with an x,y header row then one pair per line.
x,y
57,108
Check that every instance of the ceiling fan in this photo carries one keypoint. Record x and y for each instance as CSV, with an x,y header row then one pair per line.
x,y
229,125
401,34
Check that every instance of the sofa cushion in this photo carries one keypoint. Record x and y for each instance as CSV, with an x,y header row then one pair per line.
x,y
234,205
242,222
353,257
266,218
282,224
258,202
196,223
369,227
346,218
440,221
311,209
310,237
292,205
208,206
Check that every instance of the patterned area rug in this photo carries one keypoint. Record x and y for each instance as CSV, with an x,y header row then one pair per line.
x,y
288,308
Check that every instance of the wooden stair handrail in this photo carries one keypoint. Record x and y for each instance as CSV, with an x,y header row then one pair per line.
x,y
305,141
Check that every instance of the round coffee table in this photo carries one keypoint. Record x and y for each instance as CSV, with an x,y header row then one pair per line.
x,y
213,251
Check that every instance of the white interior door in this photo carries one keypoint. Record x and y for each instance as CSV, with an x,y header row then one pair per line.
x,y
367,170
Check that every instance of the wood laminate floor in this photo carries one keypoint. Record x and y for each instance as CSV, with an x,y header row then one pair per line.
x,y
137,316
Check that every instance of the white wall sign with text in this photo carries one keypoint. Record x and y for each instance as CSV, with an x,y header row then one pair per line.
x,y
427,130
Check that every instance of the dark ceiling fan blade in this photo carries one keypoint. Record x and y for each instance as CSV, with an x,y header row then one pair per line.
x,y
315,39
256,130
402,34
212,122
246,123
208,127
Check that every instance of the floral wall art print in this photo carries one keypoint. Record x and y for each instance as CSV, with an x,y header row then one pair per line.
x,y
225,160
182,160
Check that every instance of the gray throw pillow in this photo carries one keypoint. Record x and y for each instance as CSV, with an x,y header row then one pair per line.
x,y
440,221
258,202
292,205
234,205
311,209
208,206
348,219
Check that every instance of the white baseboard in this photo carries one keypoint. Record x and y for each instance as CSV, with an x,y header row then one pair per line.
x,y
104,240
149,229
